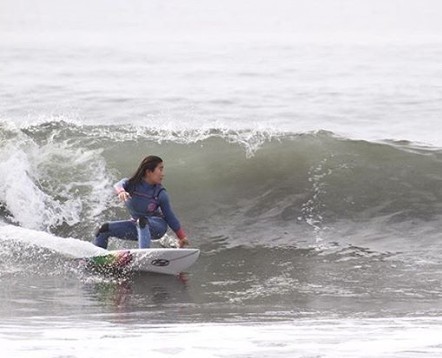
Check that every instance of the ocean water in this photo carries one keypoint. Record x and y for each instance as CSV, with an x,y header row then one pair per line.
x,y
303,156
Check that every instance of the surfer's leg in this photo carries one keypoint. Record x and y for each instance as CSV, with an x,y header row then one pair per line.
x,y
143,233
125,230
158,227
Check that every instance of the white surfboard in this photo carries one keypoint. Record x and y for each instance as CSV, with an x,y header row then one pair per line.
x,y
165,261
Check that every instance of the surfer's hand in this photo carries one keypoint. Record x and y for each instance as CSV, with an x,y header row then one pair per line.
x,y
123,196
183,242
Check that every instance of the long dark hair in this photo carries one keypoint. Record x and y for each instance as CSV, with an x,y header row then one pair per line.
x,y
149,163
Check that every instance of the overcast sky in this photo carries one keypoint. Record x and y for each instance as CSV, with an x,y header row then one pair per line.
x,y
397,19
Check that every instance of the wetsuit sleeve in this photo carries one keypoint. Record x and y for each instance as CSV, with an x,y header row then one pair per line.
x,y
169,215
121,185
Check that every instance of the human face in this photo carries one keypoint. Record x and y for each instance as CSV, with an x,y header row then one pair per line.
x,y
155,177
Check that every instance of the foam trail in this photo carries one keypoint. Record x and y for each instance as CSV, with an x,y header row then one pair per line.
x,y
69,247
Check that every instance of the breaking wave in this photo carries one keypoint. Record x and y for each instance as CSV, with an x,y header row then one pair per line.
x,y
253,187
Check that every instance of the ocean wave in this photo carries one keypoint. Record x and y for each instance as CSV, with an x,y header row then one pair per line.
x,y
250,186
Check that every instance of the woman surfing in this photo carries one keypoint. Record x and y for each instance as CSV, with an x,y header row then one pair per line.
x,y
149,206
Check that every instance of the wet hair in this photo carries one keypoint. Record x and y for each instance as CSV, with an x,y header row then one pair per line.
x,y
148,164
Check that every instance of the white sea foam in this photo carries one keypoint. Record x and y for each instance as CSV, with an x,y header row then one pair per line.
x,y
353,338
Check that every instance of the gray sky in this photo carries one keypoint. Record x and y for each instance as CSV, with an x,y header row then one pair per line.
x,y
360,19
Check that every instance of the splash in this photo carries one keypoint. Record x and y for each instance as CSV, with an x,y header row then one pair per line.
x,y
44,184
313,207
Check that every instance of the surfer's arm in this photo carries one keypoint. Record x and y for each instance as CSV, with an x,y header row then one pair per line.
x,y
171,218
120,189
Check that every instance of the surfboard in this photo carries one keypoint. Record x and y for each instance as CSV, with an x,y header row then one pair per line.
x,y
158,260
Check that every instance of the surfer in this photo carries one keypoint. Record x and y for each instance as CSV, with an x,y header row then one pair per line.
x,y
149,206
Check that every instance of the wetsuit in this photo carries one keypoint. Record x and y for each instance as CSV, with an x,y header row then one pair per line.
x,y
151,212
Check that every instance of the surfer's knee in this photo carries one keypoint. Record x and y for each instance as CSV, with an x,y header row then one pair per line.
x,y
100,241
102,229
142,222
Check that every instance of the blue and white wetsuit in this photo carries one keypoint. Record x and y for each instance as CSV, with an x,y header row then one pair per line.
x,y
151,212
